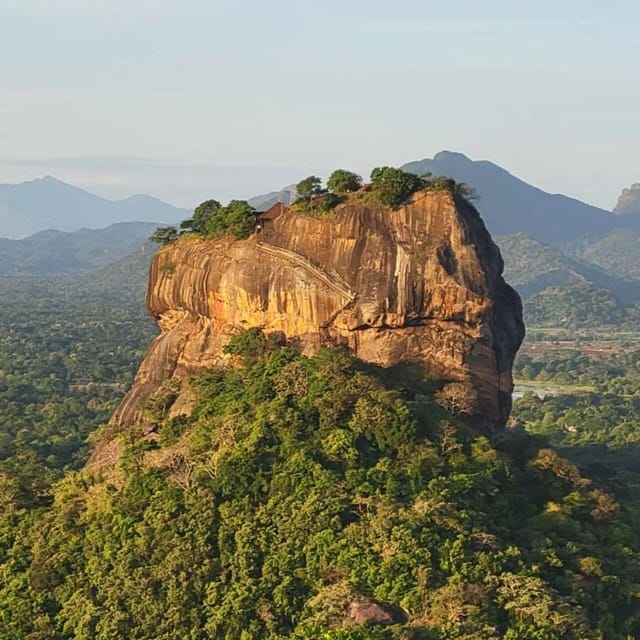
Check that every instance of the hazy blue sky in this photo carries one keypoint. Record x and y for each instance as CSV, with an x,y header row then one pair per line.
x,y
192,99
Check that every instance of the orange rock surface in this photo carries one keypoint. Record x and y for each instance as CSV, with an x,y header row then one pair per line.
x,y
419,284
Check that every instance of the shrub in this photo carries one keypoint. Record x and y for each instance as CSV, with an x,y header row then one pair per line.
x,y
253,343
172,429
164,235
157,405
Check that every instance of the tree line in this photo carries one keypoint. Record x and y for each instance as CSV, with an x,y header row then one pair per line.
x,y
388,185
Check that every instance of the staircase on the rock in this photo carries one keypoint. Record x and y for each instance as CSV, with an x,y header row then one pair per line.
x,y
332,281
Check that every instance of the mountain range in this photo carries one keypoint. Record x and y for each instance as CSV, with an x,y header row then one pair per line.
x,y
553,245
561,254
48,203
60,252
510,205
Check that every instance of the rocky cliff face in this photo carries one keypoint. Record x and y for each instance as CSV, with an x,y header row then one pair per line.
x,y
629,201
419,284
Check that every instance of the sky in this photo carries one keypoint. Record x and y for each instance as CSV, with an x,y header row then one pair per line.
x,y
192,99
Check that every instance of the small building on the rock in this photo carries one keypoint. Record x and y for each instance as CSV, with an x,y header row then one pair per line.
x,y
266,217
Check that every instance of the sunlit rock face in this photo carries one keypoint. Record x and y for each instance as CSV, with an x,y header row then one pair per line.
x,y
420,284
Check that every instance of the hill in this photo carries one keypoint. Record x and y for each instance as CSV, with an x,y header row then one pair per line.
x,y
617,253
47,203
509,205
132,269
58,252
564,288
629,201
574,306
392,285
609,263
262,202
316,497
531,266
263,493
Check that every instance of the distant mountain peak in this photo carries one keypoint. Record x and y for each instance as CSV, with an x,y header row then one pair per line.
x,y
286,195
509,205
143,198
48,203
451,155
47,180
629,201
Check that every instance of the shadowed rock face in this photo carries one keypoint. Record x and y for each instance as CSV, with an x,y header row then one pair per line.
x,y
418,284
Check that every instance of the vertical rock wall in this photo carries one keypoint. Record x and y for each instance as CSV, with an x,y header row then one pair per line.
x,y
419,284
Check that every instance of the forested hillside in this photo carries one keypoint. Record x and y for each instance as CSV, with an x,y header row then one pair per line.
x,y
69,348
57,252
318,497
582,284
306,496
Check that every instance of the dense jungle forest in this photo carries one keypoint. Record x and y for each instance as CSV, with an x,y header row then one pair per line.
x,y
69,348
300,489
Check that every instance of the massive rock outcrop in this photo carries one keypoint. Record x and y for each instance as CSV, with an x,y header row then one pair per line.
x,y
419,284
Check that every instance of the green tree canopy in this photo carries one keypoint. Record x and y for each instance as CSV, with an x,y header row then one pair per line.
x,y
236,219
394,186
212,219
302,486
164,235
309,187
458,189
342,181
201,216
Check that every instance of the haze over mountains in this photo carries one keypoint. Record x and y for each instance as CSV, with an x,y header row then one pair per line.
x,y
47,203
286,195
552,244
510,205
59,252
507,203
